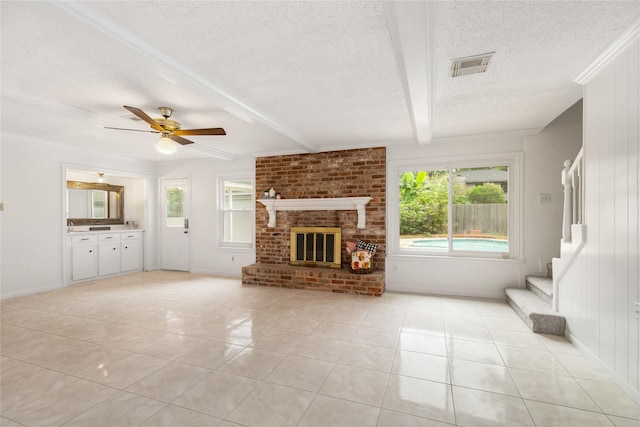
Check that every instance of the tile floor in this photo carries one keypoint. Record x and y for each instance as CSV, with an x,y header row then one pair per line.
x,y
176,349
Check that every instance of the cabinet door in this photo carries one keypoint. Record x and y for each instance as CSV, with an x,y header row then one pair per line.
x,y
85,261
131,255
109,258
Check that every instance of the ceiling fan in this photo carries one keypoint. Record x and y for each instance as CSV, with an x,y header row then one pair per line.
x,y
169,129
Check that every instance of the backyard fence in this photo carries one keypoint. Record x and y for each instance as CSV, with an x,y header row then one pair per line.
x,y
490,218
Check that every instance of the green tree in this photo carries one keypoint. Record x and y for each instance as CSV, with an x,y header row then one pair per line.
x,y
486,193
411,185
423,202
174,202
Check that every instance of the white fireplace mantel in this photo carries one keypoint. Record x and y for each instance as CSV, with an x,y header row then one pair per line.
x,y
328,204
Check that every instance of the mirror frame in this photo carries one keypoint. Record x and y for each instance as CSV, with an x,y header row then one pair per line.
x,y
98,186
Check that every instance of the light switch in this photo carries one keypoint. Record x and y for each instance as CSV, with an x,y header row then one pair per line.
x,y
544,198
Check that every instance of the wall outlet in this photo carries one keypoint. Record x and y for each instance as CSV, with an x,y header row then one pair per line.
x,y
544,198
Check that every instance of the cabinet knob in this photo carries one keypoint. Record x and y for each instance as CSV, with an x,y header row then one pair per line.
x,y
90,251
114,249
126,247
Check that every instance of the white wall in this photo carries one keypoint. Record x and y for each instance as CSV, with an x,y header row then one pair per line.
x,y
33,223
448,275
597,293
28,227
206,255
545,154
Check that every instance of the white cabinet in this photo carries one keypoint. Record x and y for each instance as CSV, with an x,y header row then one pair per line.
x,y
108,254
84,252
131,251
103,254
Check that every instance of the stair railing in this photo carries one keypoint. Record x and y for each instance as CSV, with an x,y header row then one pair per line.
x,y
573,228
572,178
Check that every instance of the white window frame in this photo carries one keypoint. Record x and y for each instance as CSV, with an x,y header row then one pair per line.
x,y
221,211
514,161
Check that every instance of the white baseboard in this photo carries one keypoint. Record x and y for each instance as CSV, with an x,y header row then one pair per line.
x,y
29,292
467,293
633,394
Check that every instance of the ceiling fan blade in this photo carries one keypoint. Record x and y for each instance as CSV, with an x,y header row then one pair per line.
x,y
179,139
209,131
138,112
134,130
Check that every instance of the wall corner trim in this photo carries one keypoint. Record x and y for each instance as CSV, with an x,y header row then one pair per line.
x,y
610,53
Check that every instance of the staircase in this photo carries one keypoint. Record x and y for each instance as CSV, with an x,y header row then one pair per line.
x,y
534,305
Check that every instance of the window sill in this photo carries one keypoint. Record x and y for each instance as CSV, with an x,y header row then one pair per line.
x,y
454,258
236,247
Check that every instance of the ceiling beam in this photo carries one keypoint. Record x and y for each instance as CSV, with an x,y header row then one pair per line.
x,y
220,96
412,27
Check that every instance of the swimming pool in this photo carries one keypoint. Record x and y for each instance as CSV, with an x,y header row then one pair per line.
x,y
463,244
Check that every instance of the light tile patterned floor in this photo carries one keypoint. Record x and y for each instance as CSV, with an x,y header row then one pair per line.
x,y
177,349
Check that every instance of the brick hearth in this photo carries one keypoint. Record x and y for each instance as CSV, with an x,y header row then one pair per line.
x,y
314,278
349,173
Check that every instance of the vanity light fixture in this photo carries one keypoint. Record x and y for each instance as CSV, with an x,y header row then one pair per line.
x,y
165,145
100,177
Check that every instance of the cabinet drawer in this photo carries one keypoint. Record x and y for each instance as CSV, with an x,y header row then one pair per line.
x,y
130,236
108,237
79,240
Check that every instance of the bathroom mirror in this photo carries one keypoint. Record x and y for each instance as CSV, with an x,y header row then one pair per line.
x,y
94,203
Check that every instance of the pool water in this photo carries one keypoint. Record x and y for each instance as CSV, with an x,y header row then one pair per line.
x,y
463,244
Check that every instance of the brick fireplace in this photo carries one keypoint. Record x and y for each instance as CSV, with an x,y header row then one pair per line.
x,y
336,174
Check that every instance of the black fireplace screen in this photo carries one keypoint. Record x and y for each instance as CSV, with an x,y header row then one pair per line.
x,y
315,246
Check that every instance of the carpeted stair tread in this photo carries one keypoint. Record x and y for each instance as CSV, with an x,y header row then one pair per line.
x,y
535,312
541,286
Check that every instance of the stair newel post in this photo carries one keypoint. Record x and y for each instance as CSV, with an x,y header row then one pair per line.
x,y
567,217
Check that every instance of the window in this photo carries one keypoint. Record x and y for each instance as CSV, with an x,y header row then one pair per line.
x,y
98,204
463,208
237,212
174,209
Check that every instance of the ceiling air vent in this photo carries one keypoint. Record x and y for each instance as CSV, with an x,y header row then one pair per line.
x,y
470,65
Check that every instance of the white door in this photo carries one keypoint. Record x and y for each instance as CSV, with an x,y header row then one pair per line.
x,y
175,224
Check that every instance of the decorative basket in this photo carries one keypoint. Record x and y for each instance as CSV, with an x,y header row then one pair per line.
x,y
361,262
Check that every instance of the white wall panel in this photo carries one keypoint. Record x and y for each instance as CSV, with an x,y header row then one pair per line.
x,y
634,212
605,196
598,291
621,220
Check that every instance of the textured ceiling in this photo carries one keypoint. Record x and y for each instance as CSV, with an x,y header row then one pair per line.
x,y
289,77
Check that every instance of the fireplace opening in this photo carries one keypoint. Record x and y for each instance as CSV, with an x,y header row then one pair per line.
x,y
316,246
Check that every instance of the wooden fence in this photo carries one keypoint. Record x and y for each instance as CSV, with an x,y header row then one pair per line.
x,y
487,218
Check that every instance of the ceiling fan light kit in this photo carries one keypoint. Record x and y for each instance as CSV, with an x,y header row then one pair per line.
x,y
169,129
166,145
